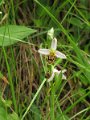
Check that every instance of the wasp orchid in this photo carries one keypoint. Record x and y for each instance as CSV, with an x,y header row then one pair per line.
x,y
57,72
52,51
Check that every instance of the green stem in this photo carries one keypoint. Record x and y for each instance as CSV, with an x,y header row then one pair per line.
x,y
11,83
34,98
52,102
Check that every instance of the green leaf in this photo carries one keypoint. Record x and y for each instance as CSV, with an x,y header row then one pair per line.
x,y
13,116
36,112
3,113
1,2
7,103
12,34
1,75
76,22
58,82
5,116
62,117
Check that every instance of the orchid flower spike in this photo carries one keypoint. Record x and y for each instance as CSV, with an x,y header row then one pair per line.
x,y
52,50
55,71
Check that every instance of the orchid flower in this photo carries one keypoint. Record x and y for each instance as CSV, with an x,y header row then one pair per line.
x,y
50,33
0,12
55,71
52,50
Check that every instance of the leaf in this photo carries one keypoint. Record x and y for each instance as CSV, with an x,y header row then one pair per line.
x,y
36,112
13,116
76,22
58,82
12,34
3,115
1,2
62,117
7,103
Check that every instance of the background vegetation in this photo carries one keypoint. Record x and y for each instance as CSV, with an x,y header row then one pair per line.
x,y
23,29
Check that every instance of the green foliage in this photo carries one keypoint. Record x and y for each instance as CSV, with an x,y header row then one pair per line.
x,y
12,34
60,99
4,107
13,116
62,117
36,111
1,75
5,116
1,2
76,22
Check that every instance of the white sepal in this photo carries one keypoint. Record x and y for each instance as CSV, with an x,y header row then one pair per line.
x,y
44,51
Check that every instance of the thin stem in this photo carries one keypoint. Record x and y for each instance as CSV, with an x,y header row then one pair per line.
x,y
11,83
34,98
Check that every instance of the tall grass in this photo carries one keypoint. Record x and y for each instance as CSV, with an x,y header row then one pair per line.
x,y
33,98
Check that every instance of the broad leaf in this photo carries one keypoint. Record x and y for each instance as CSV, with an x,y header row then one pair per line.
x,y
3,114
11,34
76,22
13,116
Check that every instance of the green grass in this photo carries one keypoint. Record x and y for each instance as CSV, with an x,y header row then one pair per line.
x,y
29,96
